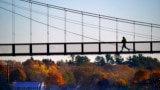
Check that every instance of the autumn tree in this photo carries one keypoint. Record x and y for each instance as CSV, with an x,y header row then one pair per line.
x,y
141,75
119,72
155,77
18,75
54,78
69,77
6,67
67,71
89,74
3,69
35,70
121,82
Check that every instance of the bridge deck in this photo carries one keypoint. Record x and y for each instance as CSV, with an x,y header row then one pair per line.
x,y
22,49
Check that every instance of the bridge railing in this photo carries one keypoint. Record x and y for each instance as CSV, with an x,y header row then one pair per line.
x,y
78,48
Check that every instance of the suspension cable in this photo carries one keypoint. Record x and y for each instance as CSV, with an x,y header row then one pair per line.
x,y
30,21
47,24
117,30
82,22
13,21
95,15
99,28
88,25
136,34
134,27
65,26
55,27
151,32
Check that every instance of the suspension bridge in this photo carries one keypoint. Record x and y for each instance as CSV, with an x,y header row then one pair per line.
x,y
63,34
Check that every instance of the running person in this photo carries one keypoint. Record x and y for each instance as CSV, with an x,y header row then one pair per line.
x,y
124,44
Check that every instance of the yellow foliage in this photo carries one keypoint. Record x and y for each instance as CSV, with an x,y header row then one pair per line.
x,y
51,68
120,71
54,78
121,82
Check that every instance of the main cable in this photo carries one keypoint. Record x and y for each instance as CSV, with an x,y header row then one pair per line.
x,y
91,25
56,27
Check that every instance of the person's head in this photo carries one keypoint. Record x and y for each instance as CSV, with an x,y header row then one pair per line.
x,y
123,37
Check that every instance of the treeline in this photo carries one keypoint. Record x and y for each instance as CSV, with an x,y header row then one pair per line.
x,y
110,71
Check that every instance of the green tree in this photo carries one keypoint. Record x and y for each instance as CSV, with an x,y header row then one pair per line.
x,y
100,60
60,63
118,59
141,61
72,61
81,60
109,59
72,57
48,62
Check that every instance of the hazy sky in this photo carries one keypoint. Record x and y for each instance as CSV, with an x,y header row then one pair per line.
x,y
139,10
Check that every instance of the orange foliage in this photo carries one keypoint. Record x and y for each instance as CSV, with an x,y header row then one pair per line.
x,y
3,69
121,82
141,75
103,75
156,77
120,71
35,70
54,78
89,74
156,72
52,68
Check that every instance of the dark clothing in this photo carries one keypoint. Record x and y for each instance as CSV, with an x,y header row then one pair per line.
x,y
124,43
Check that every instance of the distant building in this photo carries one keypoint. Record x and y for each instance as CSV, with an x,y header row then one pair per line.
x,y
28,86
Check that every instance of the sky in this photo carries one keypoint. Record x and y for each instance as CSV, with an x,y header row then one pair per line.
x,y
138,10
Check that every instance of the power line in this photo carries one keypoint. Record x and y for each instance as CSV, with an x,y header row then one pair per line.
x,y
30,21
51,26
91,25
65,20
47,24
84,24
56,27
95,15
13,21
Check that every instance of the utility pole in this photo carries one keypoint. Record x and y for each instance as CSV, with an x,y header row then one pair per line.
x,y
8,71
